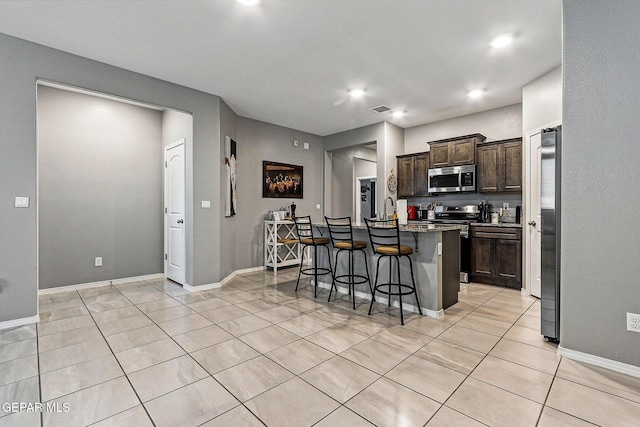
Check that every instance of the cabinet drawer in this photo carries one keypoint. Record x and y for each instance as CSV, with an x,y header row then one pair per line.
x,y
504,233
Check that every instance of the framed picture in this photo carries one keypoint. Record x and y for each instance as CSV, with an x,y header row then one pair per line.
x,y
230,192
281,180
276,216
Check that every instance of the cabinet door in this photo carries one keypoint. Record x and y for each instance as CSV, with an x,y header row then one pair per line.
x,y
512,167
421,175
488,164
463,152
405,176
439,155
509,262
482,261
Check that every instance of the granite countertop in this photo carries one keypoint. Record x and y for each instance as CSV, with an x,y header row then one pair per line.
x,y
414,228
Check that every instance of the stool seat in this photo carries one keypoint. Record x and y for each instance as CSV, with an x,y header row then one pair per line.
x,y
393,250
315,241
357,244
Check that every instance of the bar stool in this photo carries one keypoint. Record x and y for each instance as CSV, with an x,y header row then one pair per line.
x,y
341,234
304,228
385,241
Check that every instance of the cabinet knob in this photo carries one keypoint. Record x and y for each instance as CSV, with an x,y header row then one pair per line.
x,y
532,223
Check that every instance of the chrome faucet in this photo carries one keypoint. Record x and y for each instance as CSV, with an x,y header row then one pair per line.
x,y
385,206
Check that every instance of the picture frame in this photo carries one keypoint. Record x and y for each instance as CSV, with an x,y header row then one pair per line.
x,y
230,191
281,180
276,216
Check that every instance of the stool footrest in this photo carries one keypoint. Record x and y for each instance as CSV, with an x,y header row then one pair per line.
x,y
312,271
357,279
408,290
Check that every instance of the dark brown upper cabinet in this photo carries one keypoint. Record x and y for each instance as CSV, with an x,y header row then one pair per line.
x,y
412,175
500,166
454,151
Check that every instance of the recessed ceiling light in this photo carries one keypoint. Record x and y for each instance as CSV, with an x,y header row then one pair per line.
x,y
356,93
249,2
398,114
501,41
475,93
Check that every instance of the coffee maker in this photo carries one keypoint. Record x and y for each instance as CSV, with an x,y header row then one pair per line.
x,y
485,211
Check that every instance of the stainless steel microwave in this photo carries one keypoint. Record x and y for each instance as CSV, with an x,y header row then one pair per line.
x,y
452,179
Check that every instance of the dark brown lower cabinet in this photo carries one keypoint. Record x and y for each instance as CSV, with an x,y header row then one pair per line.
x,y
496,256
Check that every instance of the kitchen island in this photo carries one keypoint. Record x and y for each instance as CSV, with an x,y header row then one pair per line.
x,y
436,265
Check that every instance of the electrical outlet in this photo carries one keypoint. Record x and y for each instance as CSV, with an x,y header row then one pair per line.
x,y
505,206
98,262
318,206
633,322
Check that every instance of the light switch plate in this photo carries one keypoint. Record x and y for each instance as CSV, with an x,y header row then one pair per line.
x,y
318,206
22,202
306,145
206,204
295,142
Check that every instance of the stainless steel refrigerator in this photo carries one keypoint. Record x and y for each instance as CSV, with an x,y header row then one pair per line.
x,y
550,209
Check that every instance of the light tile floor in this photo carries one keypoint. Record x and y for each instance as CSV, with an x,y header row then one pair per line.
x,y
257,353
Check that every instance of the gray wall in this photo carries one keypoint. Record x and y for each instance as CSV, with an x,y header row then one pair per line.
x,y
542,101
258,141
230,225
600,151
100,188
21,64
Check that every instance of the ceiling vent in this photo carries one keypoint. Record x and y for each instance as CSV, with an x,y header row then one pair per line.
x,y
381,109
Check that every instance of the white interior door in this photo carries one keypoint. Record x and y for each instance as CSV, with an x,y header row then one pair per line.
x,y
174,201
532,219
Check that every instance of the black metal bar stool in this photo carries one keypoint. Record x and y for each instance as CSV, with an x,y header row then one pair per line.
x,y
385,241
304,228
341,234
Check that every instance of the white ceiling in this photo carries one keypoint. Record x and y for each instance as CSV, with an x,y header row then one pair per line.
x,y
292,62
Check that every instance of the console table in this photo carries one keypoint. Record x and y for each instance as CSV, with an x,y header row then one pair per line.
x,y
281,244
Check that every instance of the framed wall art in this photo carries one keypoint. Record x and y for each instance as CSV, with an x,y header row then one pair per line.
x,y
231,195
281,180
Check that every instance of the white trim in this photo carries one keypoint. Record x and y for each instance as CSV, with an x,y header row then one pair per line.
x,y
101,283
19,322
439,314
613,365
222,282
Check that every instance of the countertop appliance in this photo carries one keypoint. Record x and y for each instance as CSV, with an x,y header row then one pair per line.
x,y
460,215
453,179
412,212
550,162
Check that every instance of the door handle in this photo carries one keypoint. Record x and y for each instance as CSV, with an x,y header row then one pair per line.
x,y
532,223
180,221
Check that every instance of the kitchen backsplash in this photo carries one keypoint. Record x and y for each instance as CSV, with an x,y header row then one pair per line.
x,y
458,199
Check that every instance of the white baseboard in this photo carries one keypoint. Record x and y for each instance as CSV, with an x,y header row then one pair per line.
x,y
613,365
222,282
81,286
405,306
19,322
